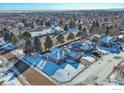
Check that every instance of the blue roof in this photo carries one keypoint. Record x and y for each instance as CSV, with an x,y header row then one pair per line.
x,y
76,45
33,60
73,53
55,49
50,68
105,39
55,55
85,47
10,47
111,49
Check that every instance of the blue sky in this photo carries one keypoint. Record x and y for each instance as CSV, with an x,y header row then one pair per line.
x,y
60,6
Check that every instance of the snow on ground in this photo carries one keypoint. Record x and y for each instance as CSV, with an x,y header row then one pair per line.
x,y
89,59
102,51
40,32
66,74
3,67
12,82
1,40
45,31
99,70
19,53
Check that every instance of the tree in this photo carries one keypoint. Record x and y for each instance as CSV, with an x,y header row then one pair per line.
x,y
41,23
107,30
48,24
6,36
79,21
37,44
5,29
95,24
60,38
71,36
15,39
80,27
32,25
48,42
82,33
84,29
66,28
72,24
26,35
79,34
37,21
96,39
24,21
95,27
29,48
11,34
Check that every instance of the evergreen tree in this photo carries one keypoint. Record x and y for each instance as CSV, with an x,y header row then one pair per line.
x,y
80,27
48,42
72,24
71,36
6,36
41,23
28,46
15,39
66,28
79,34
84,29
60,38
97,24
11,34
107,30
96,39
37,44
48,24
26,35
37,21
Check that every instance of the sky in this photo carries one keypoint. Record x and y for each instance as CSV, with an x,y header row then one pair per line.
x,y
59,6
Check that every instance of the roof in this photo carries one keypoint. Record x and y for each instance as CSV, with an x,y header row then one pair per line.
x,y
105,39
8,46
121,28
36,78
32,60
9,55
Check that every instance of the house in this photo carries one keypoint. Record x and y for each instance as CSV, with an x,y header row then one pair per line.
x,y
105,40
121,29
110,44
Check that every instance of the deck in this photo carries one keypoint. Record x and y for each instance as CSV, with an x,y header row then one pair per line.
x,y
35,78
